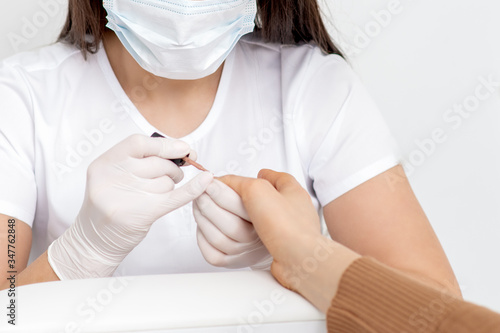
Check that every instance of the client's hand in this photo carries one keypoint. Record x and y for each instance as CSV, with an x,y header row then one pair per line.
x,y
286,221
128,188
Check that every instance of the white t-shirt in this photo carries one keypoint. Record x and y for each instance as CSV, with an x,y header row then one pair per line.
x,y
287,108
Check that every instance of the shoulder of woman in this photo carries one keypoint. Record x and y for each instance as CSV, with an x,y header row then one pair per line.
x,y
45,58
302,66
307,56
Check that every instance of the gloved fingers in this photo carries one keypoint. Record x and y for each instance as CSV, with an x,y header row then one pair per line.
x,y
140,146
167,202
255,258
265,263
219,259
193,155
227,198
213,256
157,185
228,223
216,238
153,167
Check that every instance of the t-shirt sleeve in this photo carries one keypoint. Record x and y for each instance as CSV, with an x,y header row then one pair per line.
x,y
341,134
18,187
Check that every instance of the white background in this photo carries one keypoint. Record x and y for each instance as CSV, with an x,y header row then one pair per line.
x,y
418,62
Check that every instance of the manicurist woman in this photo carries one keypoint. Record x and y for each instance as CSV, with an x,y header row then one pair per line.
x,y
93,194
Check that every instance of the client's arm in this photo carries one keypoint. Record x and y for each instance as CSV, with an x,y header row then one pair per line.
x,y
367,296
372,297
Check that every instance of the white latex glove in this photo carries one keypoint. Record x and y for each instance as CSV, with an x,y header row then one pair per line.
x,y
128,188
225,235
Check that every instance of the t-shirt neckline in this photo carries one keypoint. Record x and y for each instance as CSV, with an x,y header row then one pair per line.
x,y
143,123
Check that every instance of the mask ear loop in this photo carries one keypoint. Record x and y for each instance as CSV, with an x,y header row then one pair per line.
x,y
181,161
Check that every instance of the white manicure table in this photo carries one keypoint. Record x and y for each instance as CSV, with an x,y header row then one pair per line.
x,y
239,302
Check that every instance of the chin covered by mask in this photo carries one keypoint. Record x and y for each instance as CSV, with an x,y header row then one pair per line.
x,y
180,39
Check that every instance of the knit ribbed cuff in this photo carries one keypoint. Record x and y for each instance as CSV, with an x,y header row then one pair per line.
x,y
375,298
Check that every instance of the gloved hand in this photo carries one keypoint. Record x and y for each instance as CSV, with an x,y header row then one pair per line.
x,y
225,235
128,188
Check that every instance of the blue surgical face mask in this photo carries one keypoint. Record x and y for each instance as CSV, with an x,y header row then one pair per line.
x,y
180,39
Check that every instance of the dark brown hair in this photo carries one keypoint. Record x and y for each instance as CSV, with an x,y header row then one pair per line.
x,y
278,21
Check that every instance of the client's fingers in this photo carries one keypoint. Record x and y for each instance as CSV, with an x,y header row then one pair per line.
x,y
288,186
237,183
280,180
255,194
226,198
266,208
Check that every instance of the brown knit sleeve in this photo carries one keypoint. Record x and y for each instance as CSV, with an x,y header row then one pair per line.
x,y
375,298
